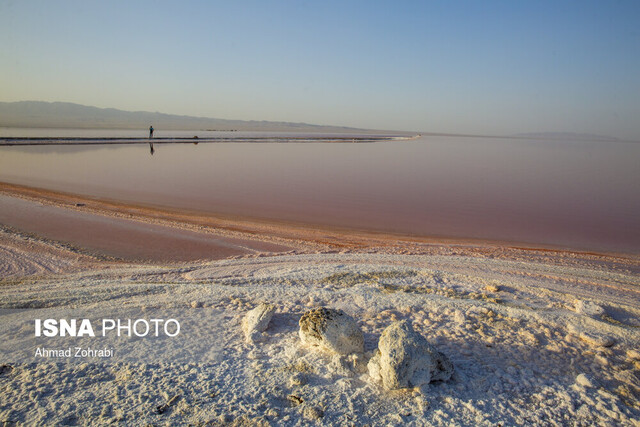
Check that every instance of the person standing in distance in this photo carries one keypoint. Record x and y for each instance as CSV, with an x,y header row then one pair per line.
x,y
150,131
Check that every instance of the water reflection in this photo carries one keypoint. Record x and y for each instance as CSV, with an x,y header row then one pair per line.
x,y
582,195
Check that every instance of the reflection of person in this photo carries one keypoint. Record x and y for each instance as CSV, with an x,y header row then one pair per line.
x,y
151,147
150,131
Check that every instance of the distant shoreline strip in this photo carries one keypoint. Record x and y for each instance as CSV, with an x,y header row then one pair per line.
x,y
186,140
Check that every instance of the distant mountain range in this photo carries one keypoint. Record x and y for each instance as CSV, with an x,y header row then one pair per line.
x,y
30,114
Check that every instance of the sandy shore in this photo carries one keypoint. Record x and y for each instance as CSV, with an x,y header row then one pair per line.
x,y
537,336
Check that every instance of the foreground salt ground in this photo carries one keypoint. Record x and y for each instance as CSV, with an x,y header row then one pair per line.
x,y
532,343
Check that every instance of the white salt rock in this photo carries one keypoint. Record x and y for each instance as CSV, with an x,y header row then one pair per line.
x,y
589,308
297,379
584,381
312,412
256,321
405,359
332,330
596,340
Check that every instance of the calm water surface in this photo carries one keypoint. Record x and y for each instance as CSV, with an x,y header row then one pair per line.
x,y
582,195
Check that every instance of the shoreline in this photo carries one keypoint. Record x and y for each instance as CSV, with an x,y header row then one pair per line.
x,y
305,237
299,237
68,140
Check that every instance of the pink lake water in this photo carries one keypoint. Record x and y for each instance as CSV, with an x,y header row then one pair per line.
x,y
582,195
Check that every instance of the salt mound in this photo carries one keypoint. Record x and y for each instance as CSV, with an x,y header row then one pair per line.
x,y
589,308
405,359
256,321
331,329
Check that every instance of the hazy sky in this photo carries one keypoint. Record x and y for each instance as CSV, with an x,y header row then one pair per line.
x,y
447,66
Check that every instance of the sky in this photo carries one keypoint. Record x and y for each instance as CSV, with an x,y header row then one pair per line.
x,y
486,67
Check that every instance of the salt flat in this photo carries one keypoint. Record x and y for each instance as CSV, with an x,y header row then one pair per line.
x,y
535,338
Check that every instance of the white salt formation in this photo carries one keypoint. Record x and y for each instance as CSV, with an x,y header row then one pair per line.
x,y
332,330
256,321
584,381
596,339
517,358
405,359
589,308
